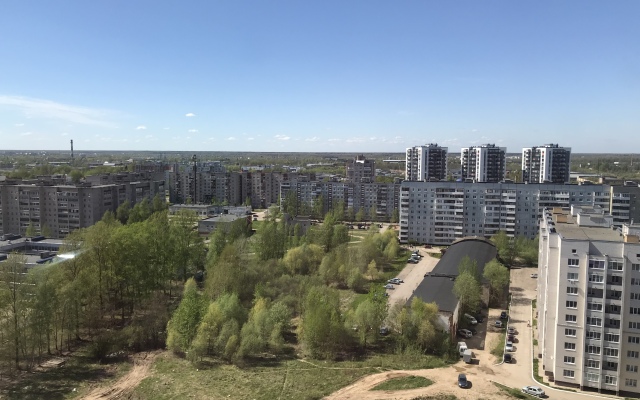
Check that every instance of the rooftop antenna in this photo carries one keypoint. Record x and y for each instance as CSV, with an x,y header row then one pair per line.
x,y
71,151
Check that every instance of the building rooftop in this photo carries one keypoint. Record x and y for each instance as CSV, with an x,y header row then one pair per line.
x,y
584,223
437,286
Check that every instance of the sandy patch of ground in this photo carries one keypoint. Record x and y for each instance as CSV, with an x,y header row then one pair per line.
x,y
125,385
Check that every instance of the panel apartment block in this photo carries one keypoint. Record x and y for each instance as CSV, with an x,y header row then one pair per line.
x,y
548,163
361,170
486,163
382,197
589,300
65,208
426,163
442,212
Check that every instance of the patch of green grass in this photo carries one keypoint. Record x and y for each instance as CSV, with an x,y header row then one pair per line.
x,y
498,348
511,392
175,378
404,383
535,342
440,396
536,374
534,302
535,322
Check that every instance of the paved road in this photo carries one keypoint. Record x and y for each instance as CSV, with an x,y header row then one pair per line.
x,y
412,275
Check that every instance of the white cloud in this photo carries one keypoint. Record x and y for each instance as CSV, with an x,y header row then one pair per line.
x,y
141,128
40,108
193,131
148,136
189,115
231,138
356,140
167,128
65,134
313,139
282,137
334,140
26,133
250,138
20,124
372,138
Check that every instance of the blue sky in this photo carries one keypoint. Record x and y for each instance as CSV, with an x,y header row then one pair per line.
x,y
319,76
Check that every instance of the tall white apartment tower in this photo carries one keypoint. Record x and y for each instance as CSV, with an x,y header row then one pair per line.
x,y
426,163
589,300
486,163
546,164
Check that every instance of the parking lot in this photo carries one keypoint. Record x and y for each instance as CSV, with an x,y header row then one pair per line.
x,y
412,275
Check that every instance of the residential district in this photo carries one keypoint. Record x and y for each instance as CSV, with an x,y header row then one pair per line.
x,y
586,288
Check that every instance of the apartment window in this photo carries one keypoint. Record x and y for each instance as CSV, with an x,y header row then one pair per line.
x,y
572,276
572,290
631,382
567,373
574,251
569,360
632,354
635,281
569,346
634,310
591,349
634,339
593,377
632,368
573,262
570,318
570,332
596,264
594,321
610,380
635,296
594,306
612,337
596,278
612,365
634,325
608,351
635,267
593,364
572,304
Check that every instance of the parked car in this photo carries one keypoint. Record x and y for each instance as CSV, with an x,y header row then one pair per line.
x,y
398,280
470,319
462,381
508,358
509,346
533,390
412,261
498,324
511,338
384,330
389,286
512,331
534,275
465,333
479,317
504,315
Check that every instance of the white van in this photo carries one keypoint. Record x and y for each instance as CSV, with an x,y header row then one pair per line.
x,y
472,320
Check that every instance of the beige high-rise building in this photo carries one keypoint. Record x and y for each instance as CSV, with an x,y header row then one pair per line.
x,y
589,300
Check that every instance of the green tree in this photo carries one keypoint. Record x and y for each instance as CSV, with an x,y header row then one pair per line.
x,y
498,277
360,215
395,216
317,211
31,230
14,299
373,213
122,213
159,203
183,326
322,329
468,291
505,246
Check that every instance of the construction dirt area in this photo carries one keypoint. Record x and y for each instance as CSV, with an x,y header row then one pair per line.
x,y
124,386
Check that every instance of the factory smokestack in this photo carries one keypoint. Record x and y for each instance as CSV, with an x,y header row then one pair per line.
x,y
72,151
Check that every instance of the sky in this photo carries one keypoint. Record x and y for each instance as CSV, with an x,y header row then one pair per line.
x,y
352,76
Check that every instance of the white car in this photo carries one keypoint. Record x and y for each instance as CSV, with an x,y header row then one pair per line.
x,y
465,333
534,275
389,286
533,390
508,346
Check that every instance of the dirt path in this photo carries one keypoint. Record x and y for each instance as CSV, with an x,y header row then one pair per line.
x,y
123,386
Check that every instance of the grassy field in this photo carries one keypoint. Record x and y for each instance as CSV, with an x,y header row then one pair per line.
x,y
404,383
65,382
515,393
498,349
173,377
